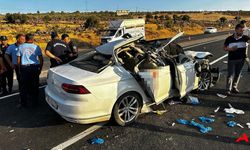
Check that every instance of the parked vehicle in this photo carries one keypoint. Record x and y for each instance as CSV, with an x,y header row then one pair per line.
x,y
210,30
120,28
121,79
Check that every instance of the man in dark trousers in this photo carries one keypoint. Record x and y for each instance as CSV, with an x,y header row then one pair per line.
x,y
30,60
2,67
57,50
246,31
11,58
8,74
235,45
73,48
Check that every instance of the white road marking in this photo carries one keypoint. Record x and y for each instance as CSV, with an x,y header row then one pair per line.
x,y
17,93
213,41
78,137
215,61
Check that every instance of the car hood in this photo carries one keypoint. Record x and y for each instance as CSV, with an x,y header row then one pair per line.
x,y
170,41
198,54
111,47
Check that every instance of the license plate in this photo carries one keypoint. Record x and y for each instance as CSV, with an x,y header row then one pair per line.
x,y
52,103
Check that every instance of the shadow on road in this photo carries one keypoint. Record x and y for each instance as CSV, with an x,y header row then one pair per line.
x,y
212,137
41,116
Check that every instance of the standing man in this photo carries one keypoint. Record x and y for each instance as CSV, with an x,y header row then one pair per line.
x,y
8,75
73,48
11,58
57,50
247,33
30,60
235,45
2,68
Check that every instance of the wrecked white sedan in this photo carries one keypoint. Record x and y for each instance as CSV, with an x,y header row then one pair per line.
x,y
121,79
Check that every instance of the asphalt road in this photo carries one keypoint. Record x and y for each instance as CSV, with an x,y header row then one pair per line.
x,y
42,128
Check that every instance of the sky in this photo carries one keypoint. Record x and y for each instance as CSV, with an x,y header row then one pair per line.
x,y
26,6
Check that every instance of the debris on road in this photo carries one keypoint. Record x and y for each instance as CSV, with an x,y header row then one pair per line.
x,y
248,125
183,121
193,100
201,127
172,102
217,109
232,110
239,125
212,116
225,62
173,124
159,112
221,95
206,119
11,131
231,123
116,136
230,115
96,141
169,139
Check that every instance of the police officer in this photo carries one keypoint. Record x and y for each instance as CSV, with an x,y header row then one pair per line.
x,y
11,58
8,75
30,60
2,68
73,48
57,50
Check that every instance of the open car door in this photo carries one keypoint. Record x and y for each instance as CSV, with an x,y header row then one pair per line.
x,y
157,82
186,75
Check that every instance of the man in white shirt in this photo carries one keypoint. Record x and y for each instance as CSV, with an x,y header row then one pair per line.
x,y
247,33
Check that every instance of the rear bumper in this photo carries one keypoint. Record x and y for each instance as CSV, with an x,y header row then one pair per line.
x,y
82,111
88,120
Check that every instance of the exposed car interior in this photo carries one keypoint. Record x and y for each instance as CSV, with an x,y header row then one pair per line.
x,y
130,56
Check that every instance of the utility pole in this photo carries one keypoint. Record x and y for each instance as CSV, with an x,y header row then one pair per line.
x,y
86,5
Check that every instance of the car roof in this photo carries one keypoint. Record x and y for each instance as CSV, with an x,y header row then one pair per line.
x,y
109,48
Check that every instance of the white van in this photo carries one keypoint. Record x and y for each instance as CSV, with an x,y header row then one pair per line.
x,y
119,28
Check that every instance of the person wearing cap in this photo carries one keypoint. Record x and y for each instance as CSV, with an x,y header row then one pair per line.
x,y
235,45
11,58
30,60
247,33
57,50
8,74
73,48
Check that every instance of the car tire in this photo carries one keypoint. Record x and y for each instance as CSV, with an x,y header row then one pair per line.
x,y
205,81
127,108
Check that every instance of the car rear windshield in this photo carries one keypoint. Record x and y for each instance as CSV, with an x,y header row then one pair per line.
x,y
93,62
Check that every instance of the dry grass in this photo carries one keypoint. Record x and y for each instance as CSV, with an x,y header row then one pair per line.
x,y
10,30
91,37
153,31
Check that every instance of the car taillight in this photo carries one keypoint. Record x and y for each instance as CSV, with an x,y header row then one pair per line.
x,y
75,89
